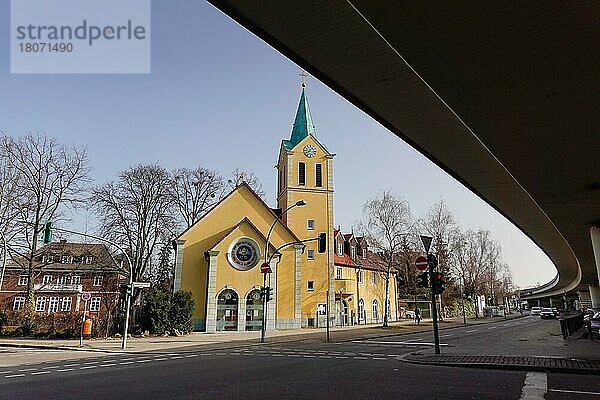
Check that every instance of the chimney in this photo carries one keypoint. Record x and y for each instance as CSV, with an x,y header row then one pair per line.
x,y
63,241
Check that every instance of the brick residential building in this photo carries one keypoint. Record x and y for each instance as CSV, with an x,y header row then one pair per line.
x,y
63,271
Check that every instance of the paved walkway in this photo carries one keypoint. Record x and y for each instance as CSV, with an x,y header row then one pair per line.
x,y
153,343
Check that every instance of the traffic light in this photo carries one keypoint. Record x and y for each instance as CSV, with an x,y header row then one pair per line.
x,y
47,232
322,242
267,293
424,280
432,261
129,289
439,283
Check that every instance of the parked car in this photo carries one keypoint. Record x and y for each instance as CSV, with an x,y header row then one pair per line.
x,y
536,310
409,314
547,313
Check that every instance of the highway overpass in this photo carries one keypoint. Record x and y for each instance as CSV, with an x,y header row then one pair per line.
x,y
502,96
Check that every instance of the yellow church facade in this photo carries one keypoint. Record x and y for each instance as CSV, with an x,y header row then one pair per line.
x,y
219,258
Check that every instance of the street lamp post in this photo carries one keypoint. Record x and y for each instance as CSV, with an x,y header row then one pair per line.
x,y
3,259
299,203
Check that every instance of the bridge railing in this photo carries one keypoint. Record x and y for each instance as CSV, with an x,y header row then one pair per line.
x,y
571,324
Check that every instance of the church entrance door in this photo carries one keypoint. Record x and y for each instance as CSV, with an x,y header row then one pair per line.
x,y
254,311
227,311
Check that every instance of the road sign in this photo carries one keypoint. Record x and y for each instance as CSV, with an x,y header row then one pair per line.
x,y
141,284
426,240
85,296
321,309
421,263
265,268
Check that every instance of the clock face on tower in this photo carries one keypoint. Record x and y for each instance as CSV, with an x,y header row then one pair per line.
x,y
310,150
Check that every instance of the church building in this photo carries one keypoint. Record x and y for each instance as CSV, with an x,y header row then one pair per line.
x,y
219,258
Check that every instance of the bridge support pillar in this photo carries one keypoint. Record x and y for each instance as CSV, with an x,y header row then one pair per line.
x,y
594,289
595,296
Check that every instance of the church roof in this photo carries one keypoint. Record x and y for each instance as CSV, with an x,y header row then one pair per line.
x,y
303,123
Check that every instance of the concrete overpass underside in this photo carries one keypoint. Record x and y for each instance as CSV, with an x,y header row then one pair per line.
x,y
502,96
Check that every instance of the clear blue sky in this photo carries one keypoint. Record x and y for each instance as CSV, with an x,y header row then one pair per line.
x,y
221,98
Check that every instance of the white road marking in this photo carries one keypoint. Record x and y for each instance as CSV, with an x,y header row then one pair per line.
x,y
14,376
41,372
108,365
277,355
27,369
325,357
306,356
471,330
360,358
491,327
176,357
379,358
191,355
70,365
64,370
53,367
573,391
131,362
535,386
143,361
341,357
448,335
89,366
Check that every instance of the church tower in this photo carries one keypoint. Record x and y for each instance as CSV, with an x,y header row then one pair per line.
x,y
305,172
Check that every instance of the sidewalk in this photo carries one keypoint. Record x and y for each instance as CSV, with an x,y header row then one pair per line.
x,y
226,339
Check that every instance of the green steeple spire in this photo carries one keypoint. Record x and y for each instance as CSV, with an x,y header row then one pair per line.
x,y
303,124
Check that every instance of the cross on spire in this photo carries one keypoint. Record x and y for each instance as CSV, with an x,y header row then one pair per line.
x,y
304,75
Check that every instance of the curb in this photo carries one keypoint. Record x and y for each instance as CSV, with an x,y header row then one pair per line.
x,y
406,358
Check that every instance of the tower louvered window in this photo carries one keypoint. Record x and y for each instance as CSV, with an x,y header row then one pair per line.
x,y
301,174
318,176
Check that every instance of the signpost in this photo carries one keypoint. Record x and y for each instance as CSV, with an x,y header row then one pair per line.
x,y
421,263
85,296
431,263
265,268
141,284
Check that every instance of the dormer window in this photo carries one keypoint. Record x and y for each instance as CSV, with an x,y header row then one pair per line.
x,y
66,259
86,259
45,259
364,253
353,252
340,248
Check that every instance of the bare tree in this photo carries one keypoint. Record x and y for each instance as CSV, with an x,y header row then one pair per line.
x,y
439,223
386,221
194,191
50,177
238,176
136,211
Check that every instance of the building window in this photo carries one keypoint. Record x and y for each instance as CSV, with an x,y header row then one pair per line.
x,y
374,278
47,279
22,280
338,273
310,286
95,304
40,304
310,255
310,224
361,309
364,253
19,303
75,280
87,259
66,304
375,309
353,252
66,259
45,259
318,175
340,248
62,280
359,277
53,304
97,280
301,174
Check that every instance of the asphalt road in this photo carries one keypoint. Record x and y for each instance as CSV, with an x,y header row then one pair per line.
x,y
362,369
